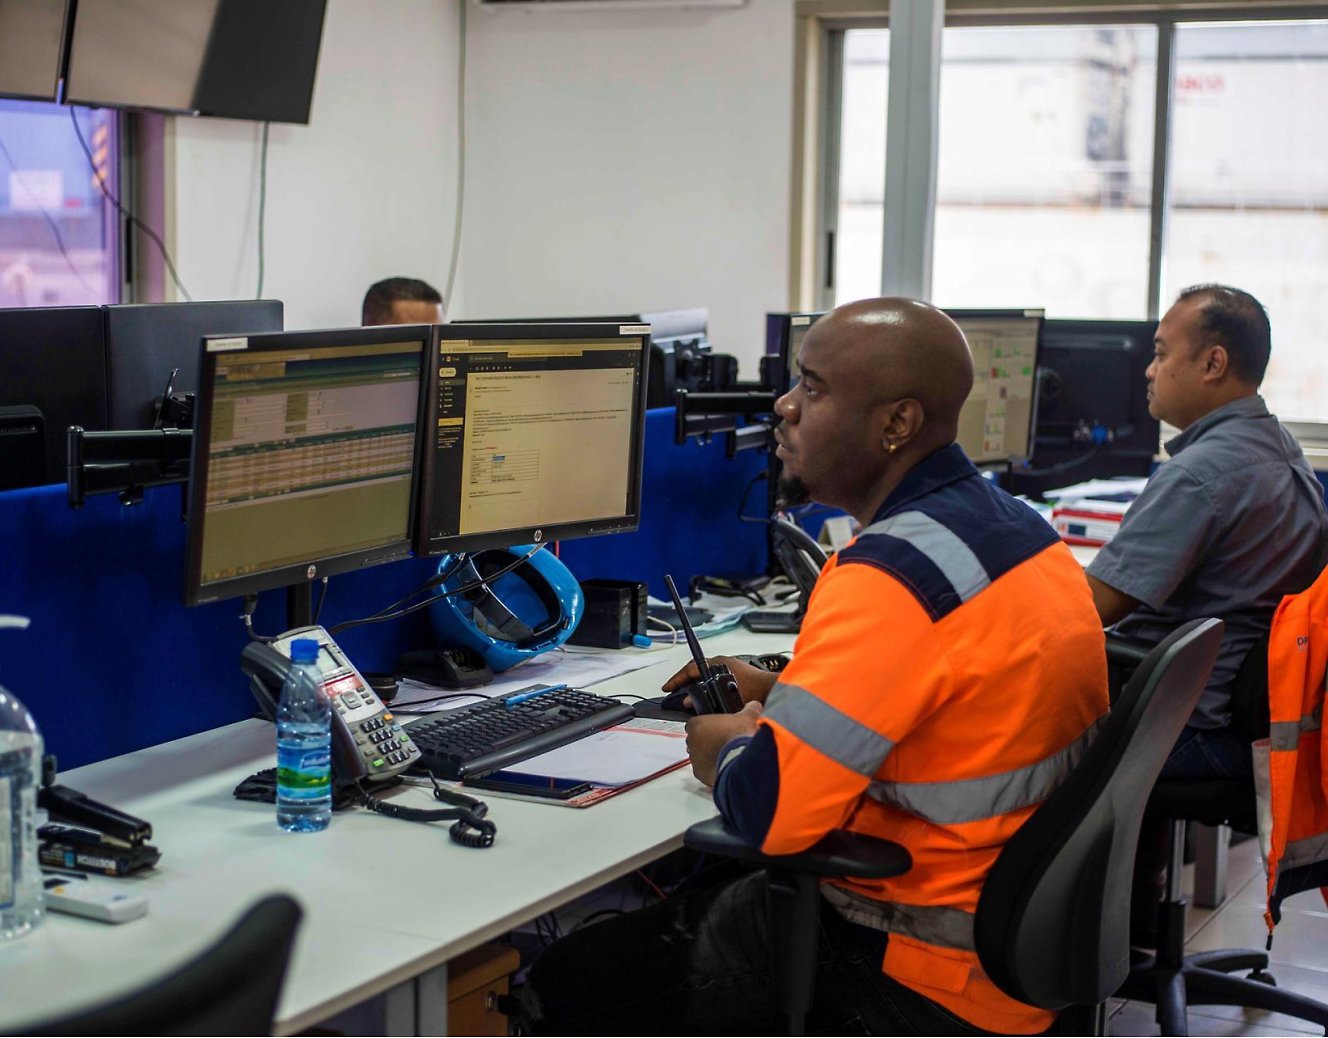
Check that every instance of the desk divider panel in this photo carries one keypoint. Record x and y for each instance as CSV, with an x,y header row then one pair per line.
x,y
114,662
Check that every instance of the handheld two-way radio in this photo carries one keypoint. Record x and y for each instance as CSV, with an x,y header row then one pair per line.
x,y
717,691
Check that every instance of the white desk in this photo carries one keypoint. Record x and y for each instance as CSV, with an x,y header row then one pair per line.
x,y
385,901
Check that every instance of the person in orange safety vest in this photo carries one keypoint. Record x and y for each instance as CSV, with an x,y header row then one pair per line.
x,y
949,674
1290,773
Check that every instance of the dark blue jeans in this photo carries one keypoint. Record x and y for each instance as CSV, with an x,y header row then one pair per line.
x,y
700,963
1209,753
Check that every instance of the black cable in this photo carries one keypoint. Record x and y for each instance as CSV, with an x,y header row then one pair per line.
x,y
262,208
134,220
322,598
601,914
1063,466
50,222
465,589
742,505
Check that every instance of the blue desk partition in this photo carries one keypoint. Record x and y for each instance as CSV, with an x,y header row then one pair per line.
x,y
114,661
689,509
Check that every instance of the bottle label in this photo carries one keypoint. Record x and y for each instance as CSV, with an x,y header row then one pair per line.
x,y
8,863
304,772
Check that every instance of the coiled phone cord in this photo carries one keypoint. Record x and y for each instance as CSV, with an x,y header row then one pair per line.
x,y
470,828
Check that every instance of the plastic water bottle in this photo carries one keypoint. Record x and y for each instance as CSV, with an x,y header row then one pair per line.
x,y
22,906
304,745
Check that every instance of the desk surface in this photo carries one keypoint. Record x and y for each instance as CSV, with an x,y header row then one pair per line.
x,y
384,900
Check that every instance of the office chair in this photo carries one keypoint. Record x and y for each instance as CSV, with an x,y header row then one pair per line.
x,y
1169,978
1044,932
230,988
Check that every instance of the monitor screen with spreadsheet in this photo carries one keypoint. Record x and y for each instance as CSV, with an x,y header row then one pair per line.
x,y
996,424
305,454
535,433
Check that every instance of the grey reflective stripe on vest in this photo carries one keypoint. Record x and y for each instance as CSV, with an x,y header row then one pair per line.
x,y
1285,735
825,728
968,800
1304,852
932,924
947,552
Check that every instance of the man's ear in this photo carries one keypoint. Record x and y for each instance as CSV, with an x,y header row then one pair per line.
x,y
903,421
1216,363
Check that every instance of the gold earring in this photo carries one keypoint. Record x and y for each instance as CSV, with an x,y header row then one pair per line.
x,y
891,447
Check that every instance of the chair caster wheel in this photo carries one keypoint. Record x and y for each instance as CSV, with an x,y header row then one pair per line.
x,y
1262,977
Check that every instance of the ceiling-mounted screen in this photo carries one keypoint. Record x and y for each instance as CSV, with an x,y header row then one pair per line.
x,y
32,42
239,59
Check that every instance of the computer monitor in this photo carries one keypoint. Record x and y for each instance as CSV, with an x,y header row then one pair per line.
x,y
535,434
52,376
241,59
32,48
305,450
680,353
784,333
996,423
145,342
1092,418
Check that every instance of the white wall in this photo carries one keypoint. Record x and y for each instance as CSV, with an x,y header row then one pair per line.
x,y
365,191
629,160
616,161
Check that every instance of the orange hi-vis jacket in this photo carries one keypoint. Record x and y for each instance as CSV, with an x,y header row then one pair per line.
x,y
1291,765
950,672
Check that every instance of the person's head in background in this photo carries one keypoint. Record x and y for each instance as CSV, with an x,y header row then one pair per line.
x,y
1211,348
402,301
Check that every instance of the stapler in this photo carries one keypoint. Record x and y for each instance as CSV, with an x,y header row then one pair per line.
x,y
89,835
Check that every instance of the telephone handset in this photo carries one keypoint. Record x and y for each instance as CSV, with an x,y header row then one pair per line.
x,y
367,741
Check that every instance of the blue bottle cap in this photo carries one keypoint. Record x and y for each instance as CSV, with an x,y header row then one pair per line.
x,y
304,650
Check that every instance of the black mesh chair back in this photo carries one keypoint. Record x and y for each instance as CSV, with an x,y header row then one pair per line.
x,y
1052,926
231,988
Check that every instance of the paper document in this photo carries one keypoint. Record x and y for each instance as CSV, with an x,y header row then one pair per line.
x,y
619,756
576,670
1099,490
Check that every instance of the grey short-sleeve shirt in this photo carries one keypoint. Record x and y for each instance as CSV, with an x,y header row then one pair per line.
x,y
1234,521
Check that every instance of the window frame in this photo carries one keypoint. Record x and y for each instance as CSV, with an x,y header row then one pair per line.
x,y
820,26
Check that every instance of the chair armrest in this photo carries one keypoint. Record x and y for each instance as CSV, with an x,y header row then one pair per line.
x,y
1129,652
838,853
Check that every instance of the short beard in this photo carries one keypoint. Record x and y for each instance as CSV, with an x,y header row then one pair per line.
x,y
790,492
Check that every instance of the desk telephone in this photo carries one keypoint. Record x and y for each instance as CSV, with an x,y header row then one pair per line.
x,y
368,745
367,741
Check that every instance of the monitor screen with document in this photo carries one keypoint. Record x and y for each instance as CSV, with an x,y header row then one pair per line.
x,y
534,434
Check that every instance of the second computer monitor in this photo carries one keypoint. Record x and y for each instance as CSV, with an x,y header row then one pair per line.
x,y
784,333
996,423
534,433
305,455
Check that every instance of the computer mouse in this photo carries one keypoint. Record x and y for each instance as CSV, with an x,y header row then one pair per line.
x,y
677,700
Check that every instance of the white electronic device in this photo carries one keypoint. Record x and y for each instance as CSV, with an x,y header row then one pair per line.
x,y
77,894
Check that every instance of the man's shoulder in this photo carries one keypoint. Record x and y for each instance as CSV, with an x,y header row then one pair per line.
x,y
1233,448
948,547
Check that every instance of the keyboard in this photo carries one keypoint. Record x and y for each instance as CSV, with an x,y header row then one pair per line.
x,y
482,737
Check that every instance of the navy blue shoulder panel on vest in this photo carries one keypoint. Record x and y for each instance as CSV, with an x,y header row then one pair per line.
x,y
945,546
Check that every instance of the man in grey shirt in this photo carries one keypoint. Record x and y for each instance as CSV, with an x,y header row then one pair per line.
x,y
1234,521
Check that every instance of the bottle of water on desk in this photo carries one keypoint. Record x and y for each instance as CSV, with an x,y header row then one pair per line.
x,y
22,906
304,745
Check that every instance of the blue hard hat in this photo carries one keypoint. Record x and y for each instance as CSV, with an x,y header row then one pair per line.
x,y
528,610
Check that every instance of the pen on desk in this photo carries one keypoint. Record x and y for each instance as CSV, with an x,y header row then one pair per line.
x,y
520,697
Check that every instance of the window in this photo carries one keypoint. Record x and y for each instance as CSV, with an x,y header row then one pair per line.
x,y
1046,178
1044,169
1249,187
58,234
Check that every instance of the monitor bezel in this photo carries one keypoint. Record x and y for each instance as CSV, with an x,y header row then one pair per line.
x,y
196,593
61,55
428,545
1012,313
779,336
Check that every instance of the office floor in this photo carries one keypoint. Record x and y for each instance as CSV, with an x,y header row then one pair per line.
x,y
1299,954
